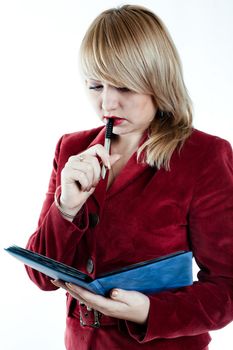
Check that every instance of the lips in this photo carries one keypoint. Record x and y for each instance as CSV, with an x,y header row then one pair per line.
x,y
117,120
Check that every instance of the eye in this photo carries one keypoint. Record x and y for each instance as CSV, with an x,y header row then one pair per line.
x,y
95,87
123,89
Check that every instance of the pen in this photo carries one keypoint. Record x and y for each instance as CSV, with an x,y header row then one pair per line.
x,y
107,142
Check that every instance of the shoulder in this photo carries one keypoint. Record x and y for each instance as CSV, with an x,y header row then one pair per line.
x,y
202,145
202,139
202,152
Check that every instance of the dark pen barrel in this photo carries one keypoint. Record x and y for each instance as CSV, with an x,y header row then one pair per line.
x,y
109,127
107,142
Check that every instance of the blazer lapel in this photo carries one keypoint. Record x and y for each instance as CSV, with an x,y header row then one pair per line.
x,y
130,172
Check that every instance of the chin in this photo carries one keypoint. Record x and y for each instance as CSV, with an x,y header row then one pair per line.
x,y
120,132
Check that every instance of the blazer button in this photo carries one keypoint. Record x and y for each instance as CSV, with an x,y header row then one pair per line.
x,y
90,265
93,219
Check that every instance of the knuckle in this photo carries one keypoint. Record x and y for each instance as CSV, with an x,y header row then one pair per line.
x,y
96,162
64,171
66,166
71,159
89,167
82,175
99,147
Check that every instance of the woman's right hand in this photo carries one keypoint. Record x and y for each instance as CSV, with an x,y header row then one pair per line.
x,y
80,176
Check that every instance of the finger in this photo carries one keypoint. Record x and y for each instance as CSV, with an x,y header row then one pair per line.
x,y
76,296
75,168
92,300
95,168
121,295
70,175
106,306
87,169
89,165
63,285
82,179
100,151
59,283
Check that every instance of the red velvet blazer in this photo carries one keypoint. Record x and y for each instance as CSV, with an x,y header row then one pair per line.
x,y
147,213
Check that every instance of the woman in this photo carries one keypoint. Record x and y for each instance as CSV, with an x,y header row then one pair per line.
x,y
168,188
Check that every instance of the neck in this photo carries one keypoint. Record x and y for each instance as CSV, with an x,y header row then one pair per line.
x,y
125,143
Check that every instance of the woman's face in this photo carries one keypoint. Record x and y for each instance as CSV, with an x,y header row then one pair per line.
x,y
132,112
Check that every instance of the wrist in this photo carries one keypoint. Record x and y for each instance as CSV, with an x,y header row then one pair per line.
x,y
67,213
71,211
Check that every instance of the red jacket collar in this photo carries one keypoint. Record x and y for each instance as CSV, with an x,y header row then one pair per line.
x,y
129,172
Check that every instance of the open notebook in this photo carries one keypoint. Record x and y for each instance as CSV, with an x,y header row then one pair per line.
x,y
163,273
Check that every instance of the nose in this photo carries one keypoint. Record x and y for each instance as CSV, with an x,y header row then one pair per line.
x,y
110,99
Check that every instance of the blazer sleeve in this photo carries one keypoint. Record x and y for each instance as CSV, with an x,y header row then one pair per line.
x,y
55,236
208,304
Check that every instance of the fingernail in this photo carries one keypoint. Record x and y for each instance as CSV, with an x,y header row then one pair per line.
x,y
55,282
69,285
114,293
103,172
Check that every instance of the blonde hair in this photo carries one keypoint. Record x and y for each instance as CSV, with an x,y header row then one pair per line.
x,y
130,47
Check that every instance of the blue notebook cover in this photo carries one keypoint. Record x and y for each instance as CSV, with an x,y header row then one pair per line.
x,y
164,273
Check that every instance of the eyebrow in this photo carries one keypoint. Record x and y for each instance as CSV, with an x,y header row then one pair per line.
x,y
93,80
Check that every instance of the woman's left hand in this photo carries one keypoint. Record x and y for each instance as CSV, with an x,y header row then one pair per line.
x,y
126,305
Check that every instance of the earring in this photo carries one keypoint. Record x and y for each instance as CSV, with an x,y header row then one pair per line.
x,y
159,114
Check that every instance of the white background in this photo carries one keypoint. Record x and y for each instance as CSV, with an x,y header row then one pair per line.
x,y
42,97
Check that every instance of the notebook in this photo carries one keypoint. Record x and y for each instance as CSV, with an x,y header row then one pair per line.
x,y
151,276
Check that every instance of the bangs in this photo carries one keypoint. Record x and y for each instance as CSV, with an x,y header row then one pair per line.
x,y
111,53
